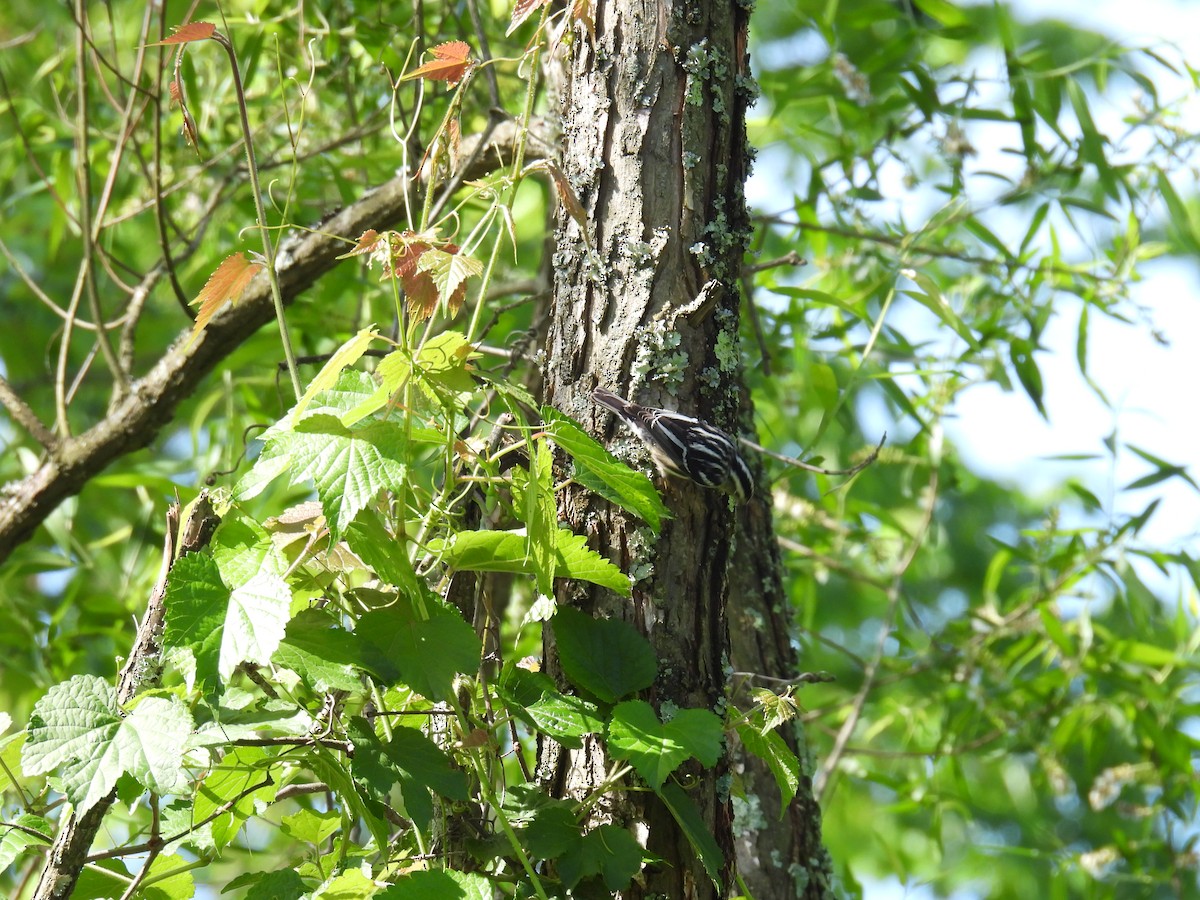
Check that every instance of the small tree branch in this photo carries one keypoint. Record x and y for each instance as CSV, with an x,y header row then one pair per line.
x,y
152,400
26,417
796,464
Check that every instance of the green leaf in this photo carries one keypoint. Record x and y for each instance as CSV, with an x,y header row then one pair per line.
x,y
930,296
505,551
1030,376
606,657
322,654
106,879
311,826
442,369
283,884
10,760
410,760
698,834
346,355
944,12
14,842
349,467
442,884
574,559
609,851
532,697
230,790
448,271
242,549
196,603
372,543
358,798
656,749
393,371
541,518
424,648
552,831
349,884
772,749
169,878
601,472
224,628
78,728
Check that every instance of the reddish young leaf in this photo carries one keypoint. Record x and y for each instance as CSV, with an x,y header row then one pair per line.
x,y
368,243
419,289
522,11
451,61
185,34
227,283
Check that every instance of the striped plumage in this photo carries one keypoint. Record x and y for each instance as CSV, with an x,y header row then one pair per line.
x,y
684,446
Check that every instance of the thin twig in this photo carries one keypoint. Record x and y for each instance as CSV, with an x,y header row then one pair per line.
x,y
791,258
796,464
26,417
830,763
263,229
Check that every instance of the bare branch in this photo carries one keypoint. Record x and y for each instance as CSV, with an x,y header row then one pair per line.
x,y
26,417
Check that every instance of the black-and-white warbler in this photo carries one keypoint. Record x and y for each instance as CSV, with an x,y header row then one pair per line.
x,y
685,446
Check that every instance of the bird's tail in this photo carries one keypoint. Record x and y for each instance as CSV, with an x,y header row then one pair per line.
x,y
609,400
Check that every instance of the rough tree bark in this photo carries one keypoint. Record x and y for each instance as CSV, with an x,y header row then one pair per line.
x,y
655,147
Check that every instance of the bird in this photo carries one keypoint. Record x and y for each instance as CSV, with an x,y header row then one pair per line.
x,y
685,446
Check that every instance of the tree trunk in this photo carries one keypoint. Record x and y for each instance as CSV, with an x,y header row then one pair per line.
x,y
655,148
779,851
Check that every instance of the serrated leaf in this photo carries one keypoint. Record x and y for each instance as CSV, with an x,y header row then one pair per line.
x,y
322,654
78,728
14,842
606,657
601,472
608,851
224,628
226,284
387,557
772,749
656,749
346,355
532,697
311,826
283,884
348,466
349,884
552,831
183,34
229,792
449,272
169,878
684,810
541,518
424,648
522,10
451,61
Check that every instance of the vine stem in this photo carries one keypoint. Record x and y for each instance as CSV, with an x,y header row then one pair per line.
x,y
263,230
